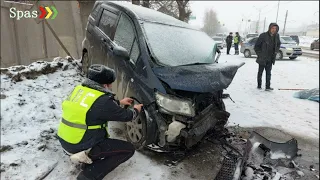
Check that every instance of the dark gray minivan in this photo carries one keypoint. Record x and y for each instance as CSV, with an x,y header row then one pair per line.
x,y
164,64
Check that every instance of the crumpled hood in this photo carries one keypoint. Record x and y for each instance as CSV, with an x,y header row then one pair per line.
x,y
198,78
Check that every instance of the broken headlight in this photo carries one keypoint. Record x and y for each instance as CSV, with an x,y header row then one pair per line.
x,y
170,104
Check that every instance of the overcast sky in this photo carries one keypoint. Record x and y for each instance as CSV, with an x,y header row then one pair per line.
x,y
232,12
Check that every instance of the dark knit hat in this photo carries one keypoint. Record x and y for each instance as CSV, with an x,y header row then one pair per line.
x,y
101,74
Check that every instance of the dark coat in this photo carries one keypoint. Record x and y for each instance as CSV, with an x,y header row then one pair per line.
x,y
229,39
104,109
266,48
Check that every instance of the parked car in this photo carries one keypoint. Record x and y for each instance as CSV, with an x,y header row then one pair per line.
x,y
296,39
250,35
165,64
220,41
314,44
287,49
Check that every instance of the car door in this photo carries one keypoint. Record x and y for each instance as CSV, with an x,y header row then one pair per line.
x,y
126,84
104,33
252,42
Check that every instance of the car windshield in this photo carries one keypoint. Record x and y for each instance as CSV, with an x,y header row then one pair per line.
x,y
288,39
217,39
176,46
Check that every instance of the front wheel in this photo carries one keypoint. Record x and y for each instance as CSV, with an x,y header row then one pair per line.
x,y
292,57
247,53
136,131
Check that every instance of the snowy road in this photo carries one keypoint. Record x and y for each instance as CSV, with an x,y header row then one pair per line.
x,y
30,112
277,109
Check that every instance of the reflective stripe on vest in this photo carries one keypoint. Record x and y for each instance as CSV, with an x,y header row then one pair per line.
x,y
236,39
74,111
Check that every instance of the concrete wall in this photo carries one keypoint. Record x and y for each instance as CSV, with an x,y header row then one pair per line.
x,y
25,41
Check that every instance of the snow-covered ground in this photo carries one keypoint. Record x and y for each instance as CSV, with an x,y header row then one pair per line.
x,y
31,109
276,109
305,41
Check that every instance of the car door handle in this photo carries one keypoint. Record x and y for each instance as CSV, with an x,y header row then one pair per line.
x,y
103,40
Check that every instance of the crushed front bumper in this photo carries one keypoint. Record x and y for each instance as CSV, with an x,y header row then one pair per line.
x,y
206,120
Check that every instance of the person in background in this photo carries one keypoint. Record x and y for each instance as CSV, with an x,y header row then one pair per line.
x,y
229,42
267,47
83,130
236,41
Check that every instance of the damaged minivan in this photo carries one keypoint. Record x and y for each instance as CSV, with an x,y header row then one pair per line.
x,y
165,64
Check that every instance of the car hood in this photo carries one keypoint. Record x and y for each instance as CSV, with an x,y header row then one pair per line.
x,y
198,78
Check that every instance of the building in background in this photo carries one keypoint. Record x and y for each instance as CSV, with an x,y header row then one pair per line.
x,y
313,30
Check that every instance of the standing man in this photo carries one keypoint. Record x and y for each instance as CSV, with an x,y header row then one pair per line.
x,y
267,47
229,42
236,41
83,130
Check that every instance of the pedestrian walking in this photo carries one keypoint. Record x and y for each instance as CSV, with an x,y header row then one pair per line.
x,y
83,130
229,42
236,41
267,47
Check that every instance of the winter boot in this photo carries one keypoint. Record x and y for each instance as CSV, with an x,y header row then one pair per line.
x,y
269,89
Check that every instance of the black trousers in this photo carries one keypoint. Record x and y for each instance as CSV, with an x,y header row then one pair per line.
x,y
268,68
236,48
106,156
228,47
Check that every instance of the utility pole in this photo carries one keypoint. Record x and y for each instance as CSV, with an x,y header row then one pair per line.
x,y
264,24
285,22
258,23
278,11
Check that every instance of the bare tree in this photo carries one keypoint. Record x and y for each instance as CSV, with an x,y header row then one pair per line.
x,y
179,9
211,23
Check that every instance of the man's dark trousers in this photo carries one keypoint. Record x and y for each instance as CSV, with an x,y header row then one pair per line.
x,y
268,68
236,48
106,156
228,47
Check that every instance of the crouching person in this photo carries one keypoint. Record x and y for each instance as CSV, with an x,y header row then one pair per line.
x,y
83,128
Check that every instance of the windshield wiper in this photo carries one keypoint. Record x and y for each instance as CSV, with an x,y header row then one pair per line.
x,y
197,63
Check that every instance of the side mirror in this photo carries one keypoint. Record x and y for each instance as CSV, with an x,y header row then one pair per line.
x,y
121,52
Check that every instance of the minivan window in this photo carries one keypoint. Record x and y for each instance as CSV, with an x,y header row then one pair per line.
x,y
108,23
176,46
125,36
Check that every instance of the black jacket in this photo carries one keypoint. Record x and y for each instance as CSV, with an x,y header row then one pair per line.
x,y
104,109
266,48
229,39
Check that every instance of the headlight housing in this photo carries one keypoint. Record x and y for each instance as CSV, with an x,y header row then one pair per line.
x,y
289,49
171,104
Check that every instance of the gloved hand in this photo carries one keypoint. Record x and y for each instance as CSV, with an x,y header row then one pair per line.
x,y
81,157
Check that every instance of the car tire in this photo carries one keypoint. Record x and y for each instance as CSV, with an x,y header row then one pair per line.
x,y
247,53
293,57
312,48
279,55
136,131
85,63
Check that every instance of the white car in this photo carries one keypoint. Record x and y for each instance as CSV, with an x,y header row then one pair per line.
x,y
287,49
220,41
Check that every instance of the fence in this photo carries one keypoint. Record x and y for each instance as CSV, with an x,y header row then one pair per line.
x,y
24,41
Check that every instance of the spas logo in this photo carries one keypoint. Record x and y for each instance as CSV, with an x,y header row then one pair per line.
x,y
45,12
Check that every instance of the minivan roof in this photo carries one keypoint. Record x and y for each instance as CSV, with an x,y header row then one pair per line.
x,y
146,14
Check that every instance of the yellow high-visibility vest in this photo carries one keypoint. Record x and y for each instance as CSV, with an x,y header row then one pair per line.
x,y
74,110
236,40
